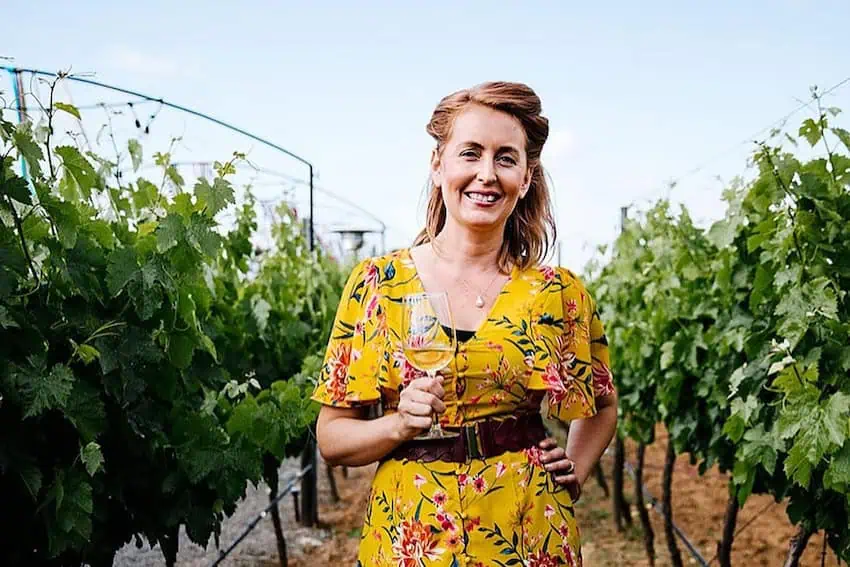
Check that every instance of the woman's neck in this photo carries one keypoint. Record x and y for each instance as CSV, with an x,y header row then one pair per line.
x,y
460,247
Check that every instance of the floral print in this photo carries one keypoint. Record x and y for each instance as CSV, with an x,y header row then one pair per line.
x,y
542,337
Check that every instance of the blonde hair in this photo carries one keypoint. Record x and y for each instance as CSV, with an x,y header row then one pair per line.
x,y
530,230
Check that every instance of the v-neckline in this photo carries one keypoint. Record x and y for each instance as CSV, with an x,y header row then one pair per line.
x,y
488,316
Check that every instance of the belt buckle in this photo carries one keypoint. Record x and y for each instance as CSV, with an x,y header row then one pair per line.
x,y
472,442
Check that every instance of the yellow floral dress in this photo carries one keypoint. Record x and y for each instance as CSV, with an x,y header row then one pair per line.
x,y
542,336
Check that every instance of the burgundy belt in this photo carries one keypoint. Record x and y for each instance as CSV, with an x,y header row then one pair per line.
x,y
477,440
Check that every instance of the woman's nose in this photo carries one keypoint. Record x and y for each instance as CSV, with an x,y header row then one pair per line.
x,y
486,172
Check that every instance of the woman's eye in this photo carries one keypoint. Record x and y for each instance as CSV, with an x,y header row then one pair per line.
x,y
468,154
508,160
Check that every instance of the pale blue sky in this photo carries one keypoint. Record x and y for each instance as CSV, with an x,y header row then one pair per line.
x,y
636,93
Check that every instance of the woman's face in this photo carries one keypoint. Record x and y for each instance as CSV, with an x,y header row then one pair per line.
x,y
482,169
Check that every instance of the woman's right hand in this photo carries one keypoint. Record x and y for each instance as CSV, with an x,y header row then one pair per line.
x,y
416,405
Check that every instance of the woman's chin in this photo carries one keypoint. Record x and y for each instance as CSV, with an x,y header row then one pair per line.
x,y
481,221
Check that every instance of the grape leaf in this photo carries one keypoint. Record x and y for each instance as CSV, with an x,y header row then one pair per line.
x,y
28,149
837,475
31,476
180,350
810,131
48,392
16,188
79,169
6,321
213,198
69,108
85,410
170,232
200,235
92,457
122,268
135,149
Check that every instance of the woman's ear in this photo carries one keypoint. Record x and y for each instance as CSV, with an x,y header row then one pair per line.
x,y
436,177
526,182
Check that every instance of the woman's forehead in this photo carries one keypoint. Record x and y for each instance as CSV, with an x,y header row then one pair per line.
x,y
487,127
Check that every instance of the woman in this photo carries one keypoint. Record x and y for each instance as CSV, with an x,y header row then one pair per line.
x,y
500,493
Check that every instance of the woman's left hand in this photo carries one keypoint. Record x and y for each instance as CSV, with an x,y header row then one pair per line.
x,y
562,468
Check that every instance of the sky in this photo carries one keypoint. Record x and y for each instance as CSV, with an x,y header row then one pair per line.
x,y
637,94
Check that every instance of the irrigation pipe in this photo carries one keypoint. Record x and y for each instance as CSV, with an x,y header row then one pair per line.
x,y
655,506
286,490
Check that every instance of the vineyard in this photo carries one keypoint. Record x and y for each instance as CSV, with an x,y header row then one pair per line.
x,y
152,361
737,338
155,361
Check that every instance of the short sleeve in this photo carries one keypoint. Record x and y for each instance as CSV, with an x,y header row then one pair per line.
x,y
573,363
353,361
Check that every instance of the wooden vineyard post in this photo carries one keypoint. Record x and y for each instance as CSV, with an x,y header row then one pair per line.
x,y
646,525
797,546
667,504
724,547
270,468
309,484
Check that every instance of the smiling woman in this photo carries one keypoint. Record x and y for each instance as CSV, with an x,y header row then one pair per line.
x,y
494,489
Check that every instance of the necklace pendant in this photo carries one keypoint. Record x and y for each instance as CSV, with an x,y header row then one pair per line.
x,y
479,302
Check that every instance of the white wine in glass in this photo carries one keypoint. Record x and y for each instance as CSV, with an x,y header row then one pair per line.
x,y
427,346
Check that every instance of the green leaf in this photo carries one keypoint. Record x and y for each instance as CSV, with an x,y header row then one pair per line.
x,y
200,235
213,198
6,321
135,149
122,268
810,131
763,282
835,418
16,188
84,352
667,355
86,411
79,169
208,345
31,476
261,309
170,232
181,347
842,135
146,194
69,108
175,178
28,149
43,393
92,458
837,475
797,465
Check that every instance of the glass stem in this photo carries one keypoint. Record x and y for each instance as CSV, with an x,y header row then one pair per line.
x,y
435,419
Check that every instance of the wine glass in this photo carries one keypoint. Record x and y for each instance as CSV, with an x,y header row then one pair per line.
x,y
427,346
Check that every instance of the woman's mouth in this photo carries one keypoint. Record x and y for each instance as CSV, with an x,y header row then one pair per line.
x,y
482,197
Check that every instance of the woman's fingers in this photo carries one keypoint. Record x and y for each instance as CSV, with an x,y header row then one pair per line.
x,y
428,399
561,466
547,444
418,422
426,384
413,407
556,454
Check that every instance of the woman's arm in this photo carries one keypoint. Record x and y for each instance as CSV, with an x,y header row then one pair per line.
x,y
346,438
589,437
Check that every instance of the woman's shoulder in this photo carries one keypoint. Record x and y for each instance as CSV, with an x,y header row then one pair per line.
x,y
561,275
380,268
